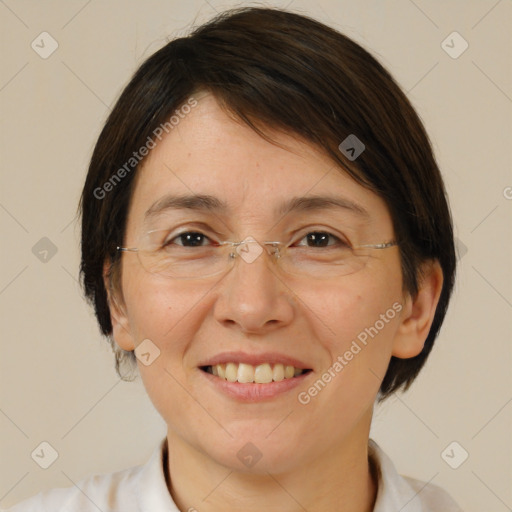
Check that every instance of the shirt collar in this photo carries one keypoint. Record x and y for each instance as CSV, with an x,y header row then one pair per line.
x,y
393,491
152,492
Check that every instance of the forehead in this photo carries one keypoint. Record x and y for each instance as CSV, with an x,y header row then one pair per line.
x,y
208,153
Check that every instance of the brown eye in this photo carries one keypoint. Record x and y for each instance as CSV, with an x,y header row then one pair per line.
x,y
188,239
321,239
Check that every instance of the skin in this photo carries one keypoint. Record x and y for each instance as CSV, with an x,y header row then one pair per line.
x,y
314,456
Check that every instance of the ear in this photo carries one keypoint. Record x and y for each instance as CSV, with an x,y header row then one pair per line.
x,y
418,312
121,331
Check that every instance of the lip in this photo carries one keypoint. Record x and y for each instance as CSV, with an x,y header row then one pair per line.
x,y
253,392
254,359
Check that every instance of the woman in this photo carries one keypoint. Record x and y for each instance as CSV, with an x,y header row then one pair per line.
x,y
265,234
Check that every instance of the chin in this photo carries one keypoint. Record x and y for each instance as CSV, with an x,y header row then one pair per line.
x,y
258,454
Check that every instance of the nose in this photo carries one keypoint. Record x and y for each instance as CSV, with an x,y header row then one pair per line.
x,y
253,295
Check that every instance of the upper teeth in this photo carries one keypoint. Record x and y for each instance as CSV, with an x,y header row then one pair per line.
x,y
261,374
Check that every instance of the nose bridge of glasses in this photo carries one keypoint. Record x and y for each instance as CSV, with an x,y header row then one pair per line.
x,y
250,249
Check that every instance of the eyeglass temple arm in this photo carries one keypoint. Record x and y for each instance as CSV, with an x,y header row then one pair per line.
x,y
384,245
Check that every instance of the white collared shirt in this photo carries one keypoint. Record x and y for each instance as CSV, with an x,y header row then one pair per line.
x,y
144,489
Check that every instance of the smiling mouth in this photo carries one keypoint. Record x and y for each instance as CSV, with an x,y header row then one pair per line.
x,y
249,374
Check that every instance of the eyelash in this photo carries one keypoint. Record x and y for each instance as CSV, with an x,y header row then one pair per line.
x,y
184,233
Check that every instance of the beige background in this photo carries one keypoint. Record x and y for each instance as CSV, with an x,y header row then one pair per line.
x,y
57,378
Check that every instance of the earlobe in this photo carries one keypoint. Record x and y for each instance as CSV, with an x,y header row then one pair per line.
x,y
121,332
418,312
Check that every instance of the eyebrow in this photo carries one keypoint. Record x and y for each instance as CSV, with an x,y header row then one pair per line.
x,y
323,202
204,202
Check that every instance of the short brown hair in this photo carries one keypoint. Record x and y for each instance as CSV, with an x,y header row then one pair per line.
x,y
273,68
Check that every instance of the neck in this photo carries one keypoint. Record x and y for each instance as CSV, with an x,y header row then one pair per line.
x,y
342,477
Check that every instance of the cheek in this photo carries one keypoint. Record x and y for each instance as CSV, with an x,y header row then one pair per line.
x,y
343,311
168,314
165,312
356,323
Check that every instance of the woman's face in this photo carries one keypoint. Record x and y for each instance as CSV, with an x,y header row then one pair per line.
x,y
343,329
